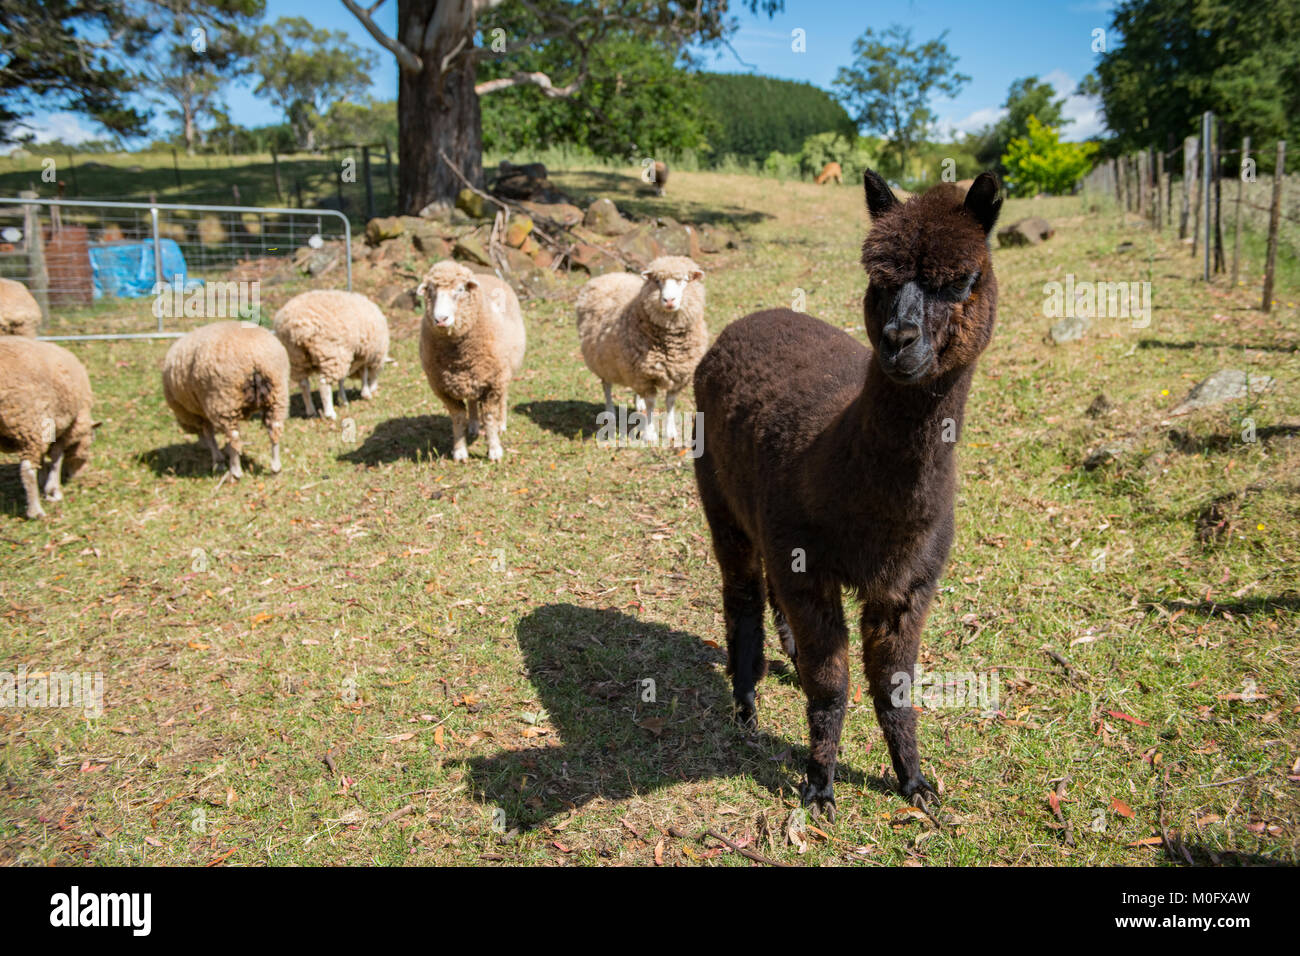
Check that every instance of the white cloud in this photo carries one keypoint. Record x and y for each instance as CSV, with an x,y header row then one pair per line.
x,y
950,129
1084,110
67,127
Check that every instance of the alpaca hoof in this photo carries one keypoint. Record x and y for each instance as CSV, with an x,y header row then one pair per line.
x,y
918,790
820,801
745,713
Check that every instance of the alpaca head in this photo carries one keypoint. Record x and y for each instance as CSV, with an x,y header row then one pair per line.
x,y
932,296
445,289
668,282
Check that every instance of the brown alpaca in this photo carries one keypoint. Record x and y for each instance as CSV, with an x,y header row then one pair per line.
x,y
830,171
828,465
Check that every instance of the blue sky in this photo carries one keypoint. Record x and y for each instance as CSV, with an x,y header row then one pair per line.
x,y
995,43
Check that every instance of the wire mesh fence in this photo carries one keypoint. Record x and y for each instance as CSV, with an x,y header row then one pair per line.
x,y
113,270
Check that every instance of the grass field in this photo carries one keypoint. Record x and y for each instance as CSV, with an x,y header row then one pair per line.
x,y
379,657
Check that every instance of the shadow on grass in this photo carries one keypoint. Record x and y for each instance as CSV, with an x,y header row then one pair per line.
x,y
589,667
1240,607
640,201
1185,346
569,418
298,407
417,438
192,460
13,499
1190,444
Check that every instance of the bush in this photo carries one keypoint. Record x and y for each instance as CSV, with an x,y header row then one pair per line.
x,y
1040,162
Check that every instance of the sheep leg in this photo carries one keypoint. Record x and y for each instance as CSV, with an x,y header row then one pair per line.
x,y
232,454
209,441
27,471
650,433
891,637
52,490
374,381
275,430
343,390
458,421
473,419
327,398
815,612
742,603
609,400
491,409
309,407
670,423
502,427
368,385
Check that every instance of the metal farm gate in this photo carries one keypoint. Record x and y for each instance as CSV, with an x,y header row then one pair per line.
x,y
139,270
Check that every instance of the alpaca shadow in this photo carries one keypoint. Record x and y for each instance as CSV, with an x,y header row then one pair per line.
x,y
590,668
192,460
416,438
570,419
1243,607
1188,444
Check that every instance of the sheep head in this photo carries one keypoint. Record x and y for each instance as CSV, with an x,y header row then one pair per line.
x,y
668,281
447,289
932,296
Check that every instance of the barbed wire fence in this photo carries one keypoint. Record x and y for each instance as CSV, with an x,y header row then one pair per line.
x,y
1206,203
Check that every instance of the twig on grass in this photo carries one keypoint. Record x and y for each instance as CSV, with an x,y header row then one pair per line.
x,y
1061,818
743,851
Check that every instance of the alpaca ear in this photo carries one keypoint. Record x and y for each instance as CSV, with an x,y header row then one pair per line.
x,y
984,200
880,198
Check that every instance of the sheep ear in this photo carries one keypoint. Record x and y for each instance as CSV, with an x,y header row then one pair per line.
x,y
645,273
471,283
695,275
984,200
422,288
880,198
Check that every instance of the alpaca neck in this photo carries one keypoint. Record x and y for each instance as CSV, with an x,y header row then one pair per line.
x,y
904,427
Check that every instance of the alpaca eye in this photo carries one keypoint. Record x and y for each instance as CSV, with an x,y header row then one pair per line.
x,y
959,290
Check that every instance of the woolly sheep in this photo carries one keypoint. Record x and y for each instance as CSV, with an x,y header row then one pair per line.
x,y
19,313
646,332
45,403
471,345
221,374
334,334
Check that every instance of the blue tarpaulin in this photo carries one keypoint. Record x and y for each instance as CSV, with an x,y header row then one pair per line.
x,y
125,269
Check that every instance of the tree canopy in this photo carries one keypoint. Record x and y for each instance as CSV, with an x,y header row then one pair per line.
x,y
1026,97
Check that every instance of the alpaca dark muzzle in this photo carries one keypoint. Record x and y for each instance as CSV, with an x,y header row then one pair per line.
x,y
905,351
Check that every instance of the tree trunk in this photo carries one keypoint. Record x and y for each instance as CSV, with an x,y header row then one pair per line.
x,y
436,114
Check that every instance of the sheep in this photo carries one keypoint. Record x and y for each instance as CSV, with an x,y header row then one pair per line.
x,y
828,465
830,171
660,177
19,312
45,401
646,332
221,374
472,344
334,334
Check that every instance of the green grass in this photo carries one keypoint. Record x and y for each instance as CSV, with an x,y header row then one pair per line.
x,y
471,641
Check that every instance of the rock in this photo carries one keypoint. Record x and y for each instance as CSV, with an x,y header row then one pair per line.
x,y
639,245
603,216
382,229
433,247
1101,405
318,262
543,257
439,211
592,260
529,246
1069,329
396,296
675,238
473,246
527,182
518,231
539,283
1026,232
470,203
715,239
566,214
396,250
1105,453
518,261
1225,385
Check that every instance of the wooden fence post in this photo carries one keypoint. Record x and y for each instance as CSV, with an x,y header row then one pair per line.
x,y
1241,189
1189,174
1160,189
1274,220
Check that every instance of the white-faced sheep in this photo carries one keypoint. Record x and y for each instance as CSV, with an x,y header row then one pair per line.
x,y
19,312
645,331
45,403
471,345
333,334
221,374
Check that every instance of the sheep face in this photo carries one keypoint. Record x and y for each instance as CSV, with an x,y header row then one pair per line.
x,y
667,279
445,291
930,303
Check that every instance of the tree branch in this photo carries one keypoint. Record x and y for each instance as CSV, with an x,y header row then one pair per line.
x,y
405,58
540,80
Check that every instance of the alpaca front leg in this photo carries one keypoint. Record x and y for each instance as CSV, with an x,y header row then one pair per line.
x,y
891,637
27,471
308,406
327,398
816,618
458,421
53,490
